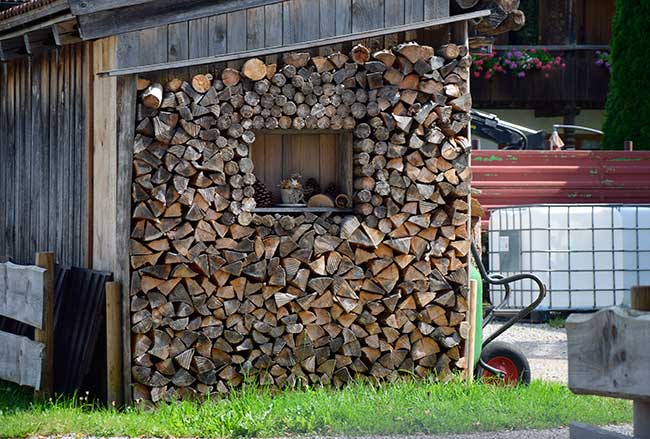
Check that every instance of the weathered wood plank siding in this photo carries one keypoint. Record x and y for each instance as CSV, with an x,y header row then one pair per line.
x,y
292,21
43,163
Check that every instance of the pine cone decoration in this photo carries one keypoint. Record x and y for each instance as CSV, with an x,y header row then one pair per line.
x,y
332,191
263,197
310,188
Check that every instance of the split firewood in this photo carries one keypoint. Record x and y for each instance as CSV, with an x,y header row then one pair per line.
x,y
152,96
221,291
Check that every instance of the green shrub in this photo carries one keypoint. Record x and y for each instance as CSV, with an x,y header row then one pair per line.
x,y
627,113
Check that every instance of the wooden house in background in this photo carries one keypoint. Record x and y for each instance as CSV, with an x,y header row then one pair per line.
x,y
574,30
76,145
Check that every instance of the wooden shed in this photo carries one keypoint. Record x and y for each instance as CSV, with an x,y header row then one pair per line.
x,y
148,138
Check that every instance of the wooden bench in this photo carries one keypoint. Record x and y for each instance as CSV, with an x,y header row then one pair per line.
x,y
609,355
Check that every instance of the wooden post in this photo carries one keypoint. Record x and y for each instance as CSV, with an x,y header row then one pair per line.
x,y
628,145
114,390
640,300
471,338
46,334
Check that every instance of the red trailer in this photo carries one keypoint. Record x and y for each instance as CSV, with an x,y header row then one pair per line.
x,y
517,177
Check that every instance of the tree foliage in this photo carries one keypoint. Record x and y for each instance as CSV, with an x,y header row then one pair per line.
x,y
627,113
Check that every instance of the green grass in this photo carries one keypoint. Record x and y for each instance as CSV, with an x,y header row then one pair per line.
x,y
400,408
557,322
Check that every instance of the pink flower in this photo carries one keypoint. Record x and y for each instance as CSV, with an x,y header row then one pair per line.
x,y
546,75
563,66
533,50
544,49
488,75
477,74
521,74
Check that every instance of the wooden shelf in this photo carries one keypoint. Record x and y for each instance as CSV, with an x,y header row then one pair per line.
x,y
280,209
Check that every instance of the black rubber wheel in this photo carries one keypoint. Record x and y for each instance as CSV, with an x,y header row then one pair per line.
x,y
507,358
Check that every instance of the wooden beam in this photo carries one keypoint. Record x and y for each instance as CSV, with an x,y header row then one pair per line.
x,y
126,115
292,47
114,377
44,25
595,343
85,7
28,45
24,19
55,35
46,335
160,12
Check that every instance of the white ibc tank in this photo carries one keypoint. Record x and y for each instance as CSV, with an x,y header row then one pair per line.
x,y
587,255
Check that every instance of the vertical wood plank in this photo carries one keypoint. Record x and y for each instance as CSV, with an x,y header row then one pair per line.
x,y
69,127
198,42
87,84
471,340
178,45
287,22
236,35
436,9
104,158
343,17
393,12
46,335
344,159
36,164
258,154
327,18
273,25
255,31
367,14
413,11
128,49
153,45
78,138
309,147
114,375
327,161
273,162
126,94
306,20
218,32
54,156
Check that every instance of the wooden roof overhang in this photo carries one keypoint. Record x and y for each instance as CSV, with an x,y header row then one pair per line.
x,y
295,46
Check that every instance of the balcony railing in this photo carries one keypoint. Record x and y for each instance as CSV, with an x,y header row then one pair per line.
x,y
581,84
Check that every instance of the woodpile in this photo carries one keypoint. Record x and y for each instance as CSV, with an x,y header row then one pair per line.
x,y
505,16
220,292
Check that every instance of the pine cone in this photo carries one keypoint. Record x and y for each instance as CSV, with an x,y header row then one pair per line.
x,y
332,191
263,197
310,188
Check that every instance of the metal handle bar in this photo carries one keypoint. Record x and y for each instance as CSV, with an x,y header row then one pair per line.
x,y
501,304
500,280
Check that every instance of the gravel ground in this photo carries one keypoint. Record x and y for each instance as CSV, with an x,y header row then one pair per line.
x,y
544,346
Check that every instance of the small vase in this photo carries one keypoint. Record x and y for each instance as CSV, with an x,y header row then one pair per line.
x,y
292,196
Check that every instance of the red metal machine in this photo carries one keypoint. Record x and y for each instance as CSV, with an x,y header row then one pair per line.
x,y
519,177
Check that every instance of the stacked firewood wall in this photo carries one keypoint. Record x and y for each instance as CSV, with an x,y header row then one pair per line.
x,y
219,292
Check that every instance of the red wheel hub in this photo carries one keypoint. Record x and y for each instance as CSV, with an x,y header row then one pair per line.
x,y
505,365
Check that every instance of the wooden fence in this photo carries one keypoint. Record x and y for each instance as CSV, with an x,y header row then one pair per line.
x,y
26,295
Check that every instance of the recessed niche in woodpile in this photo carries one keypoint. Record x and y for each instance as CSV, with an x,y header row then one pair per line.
x,y
219,291
320,161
